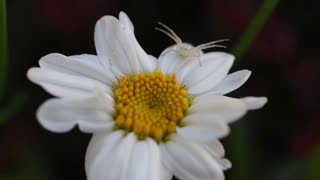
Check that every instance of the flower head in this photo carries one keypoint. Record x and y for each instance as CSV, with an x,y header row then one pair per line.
x,y
150,118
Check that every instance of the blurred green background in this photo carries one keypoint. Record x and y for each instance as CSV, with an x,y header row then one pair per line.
x,y
279,142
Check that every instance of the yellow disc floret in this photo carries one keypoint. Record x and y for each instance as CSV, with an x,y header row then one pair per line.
x,y
150,105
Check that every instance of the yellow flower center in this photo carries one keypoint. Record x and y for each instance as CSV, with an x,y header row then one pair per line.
x,y
150,105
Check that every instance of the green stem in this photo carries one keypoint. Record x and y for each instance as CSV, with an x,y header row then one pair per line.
x,y
313,164
254,27
16,102
3,47
241,151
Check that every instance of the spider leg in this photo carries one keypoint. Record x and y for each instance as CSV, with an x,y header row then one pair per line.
x,y
170,31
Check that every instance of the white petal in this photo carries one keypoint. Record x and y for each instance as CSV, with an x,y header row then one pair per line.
x,y
215,66
165,173
215,153
147,62
152,63
224,163
61,115
117,47
64,85
205,131
209,62
125,21
105,162
232,82
205,138
87,66
227,109
109,49
189,161
121,158
105,100
100,148
156,169
254,103
173,166
140,161
176,64
169,61
216,147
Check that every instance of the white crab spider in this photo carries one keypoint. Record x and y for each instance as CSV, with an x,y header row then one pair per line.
x,y
185,50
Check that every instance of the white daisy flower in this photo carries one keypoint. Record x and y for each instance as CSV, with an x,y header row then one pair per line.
x,y
151,118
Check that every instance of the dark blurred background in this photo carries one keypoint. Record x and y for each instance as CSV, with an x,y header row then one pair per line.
x,y
279,142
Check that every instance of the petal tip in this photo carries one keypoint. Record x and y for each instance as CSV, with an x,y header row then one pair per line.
x,y
247,73
32,74
254,103
43,116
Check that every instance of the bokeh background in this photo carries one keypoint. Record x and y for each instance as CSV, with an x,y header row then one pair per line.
x,y
279,142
